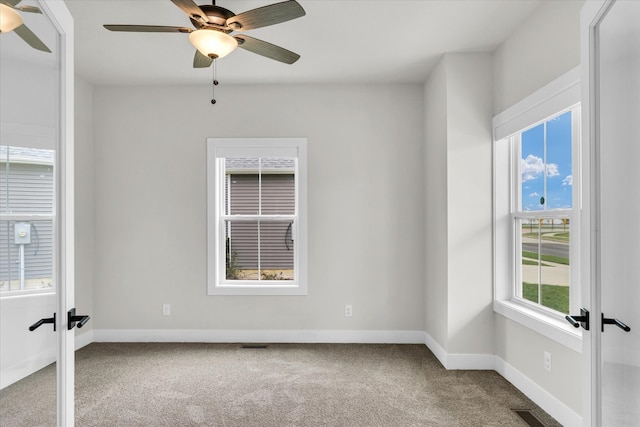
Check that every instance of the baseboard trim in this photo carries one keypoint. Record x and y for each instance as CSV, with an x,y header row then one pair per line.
x,y
436,349
25,368
257,336
554,407
455,361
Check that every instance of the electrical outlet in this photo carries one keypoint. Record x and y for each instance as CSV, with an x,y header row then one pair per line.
x,y
348,310
547,361
166,309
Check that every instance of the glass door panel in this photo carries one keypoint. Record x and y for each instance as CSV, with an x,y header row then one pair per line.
x,y
619,143
30,76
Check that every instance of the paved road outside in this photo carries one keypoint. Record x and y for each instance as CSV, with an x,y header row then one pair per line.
x,y
550,273
548,248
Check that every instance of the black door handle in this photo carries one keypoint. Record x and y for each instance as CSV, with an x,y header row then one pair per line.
x,y
616,322
43,321
582,320
73,320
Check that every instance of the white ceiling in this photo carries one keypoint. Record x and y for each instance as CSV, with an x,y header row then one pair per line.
x,y
340,41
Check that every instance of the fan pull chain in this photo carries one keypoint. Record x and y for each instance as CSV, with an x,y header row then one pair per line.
x,y
215,81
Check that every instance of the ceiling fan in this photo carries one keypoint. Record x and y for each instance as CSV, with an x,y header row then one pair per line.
x,y
11,20
214,23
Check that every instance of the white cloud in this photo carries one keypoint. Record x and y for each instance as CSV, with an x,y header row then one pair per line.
x,y
534,194
568,180
552,170
532,167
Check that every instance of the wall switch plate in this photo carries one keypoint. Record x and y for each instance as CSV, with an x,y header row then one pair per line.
x,y
166,309
547,361
348,310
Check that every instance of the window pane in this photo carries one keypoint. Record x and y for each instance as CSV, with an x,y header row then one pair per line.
x,y
278,194
259,250
532,168
242,194
559,181
26,180
545,262
26,255
254,183
278,186
241,250
554,243
241,186
530,261
276,250
545,165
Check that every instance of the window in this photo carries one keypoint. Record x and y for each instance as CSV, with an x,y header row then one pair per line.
x,y
543,211
256,216
536,206
26,220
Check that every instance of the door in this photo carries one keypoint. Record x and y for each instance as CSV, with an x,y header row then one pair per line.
x,y
611,67
36,211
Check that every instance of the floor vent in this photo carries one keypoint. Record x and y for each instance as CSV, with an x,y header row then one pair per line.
x,y
528,417
255,346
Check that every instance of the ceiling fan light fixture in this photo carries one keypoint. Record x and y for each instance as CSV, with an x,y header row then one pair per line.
x,y
212,43
9,19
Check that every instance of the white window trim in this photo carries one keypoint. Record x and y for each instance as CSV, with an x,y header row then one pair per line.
x,y
558,96
254,147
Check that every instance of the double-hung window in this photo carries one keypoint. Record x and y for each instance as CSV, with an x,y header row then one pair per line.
x,y
536,207
542,213
256,216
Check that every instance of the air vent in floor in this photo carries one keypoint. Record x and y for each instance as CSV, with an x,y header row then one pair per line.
x,y
528,417
255,346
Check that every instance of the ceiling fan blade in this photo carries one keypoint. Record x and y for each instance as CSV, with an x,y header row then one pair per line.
x,y
191,9
201,61
31,9
32,40
267,49
148,28
266,15
11,3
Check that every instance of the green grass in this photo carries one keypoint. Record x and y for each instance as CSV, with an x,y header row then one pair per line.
x,y
554,297
557,237
550,258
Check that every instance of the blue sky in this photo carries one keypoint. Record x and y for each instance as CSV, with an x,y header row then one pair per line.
x,y
558,165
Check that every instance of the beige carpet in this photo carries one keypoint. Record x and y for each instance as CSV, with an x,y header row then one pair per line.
x,y
283,385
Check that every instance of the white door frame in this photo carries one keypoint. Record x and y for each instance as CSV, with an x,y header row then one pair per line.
x,y
64,262
592,14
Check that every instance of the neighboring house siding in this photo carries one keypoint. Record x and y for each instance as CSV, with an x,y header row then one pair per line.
x,y
276,243
26,188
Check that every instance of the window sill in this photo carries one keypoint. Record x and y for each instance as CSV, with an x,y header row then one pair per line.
x,y
27,293
555,329
249,290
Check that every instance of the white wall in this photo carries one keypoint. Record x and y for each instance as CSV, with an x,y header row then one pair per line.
x,y
458,109
365,186
436,244
543,48
469,112
546,46
83,146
